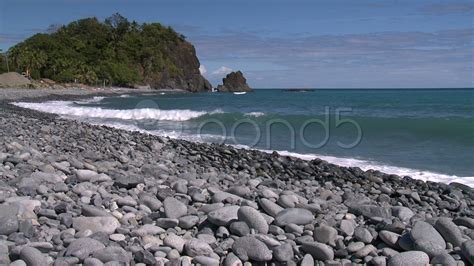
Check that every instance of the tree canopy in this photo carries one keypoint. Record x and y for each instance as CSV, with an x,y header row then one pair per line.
x,y
88,50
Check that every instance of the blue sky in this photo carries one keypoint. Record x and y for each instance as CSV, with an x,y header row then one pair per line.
x,y
293,43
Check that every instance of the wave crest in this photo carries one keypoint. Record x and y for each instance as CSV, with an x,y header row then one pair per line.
x,y
65,108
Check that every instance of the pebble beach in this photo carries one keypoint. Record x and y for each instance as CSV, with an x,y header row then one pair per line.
x,y
78,194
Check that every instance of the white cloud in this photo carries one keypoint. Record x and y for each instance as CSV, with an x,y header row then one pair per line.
x,y
223,70
202,70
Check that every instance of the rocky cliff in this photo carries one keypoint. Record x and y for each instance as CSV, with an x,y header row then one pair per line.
x,y
184,59
234,82
115,52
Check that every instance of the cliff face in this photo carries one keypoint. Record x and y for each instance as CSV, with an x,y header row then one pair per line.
x,y
183,56
234,82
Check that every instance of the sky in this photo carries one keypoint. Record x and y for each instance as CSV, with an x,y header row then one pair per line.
x,y
293,43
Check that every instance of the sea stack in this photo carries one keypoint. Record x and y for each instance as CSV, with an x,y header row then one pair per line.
x,y
234,82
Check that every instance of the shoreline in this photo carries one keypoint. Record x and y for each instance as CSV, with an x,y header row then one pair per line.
x,y
191,193
365,165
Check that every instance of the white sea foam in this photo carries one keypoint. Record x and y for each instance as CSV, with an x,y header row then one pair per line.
x,y
255,114
95,99
67,109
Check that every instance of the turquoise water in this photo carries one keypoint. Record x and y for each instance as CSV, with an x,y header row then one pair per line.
x,y
429,133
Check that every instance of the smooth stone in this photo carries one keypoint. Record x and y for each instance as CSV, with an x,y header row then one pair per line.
x,y
427,239
250,248
239,228
307,260
148,229
449,231
347,227
112,254
443,259
188,222
92,211
389,238
92,262
223,216
371,211
83,247
174,208
412,258
150,201
465,221
325,234
8,219
204,260
85,175
270,207
18,263
167,222
318,251
107,225
253,219
378,261
117,237
297,216
283,252
467,250
363,235
365,251
175,242
403,213
232,260
196,247
355,246
33,257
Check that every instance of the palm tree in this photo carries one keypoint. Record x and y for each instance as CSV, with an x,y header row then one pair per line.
x,y
28,59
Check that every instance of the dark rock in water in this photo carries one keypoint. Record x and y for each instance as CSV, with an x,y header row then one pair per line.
x,y
234,82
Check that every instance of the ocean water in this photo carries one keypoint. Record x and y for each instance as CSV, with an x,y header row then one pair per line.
x,y
426,134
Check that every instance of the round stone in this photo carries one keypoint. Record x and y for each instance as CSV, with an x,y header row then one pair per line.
x,y
223,216
174,208
297,216
319,251
250,248
325,234
427,239
412,258
253,219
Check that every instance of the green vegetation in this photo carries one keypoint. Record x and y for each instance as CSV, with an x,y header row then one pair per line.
x,y
89,51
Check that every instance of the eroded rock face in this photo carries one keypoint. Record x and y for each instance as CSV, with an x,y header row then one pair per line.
x,y
234,82
188,78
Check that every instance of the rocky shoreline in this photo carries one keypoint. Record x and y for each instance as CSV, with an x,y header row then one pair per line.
x,y
73,193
